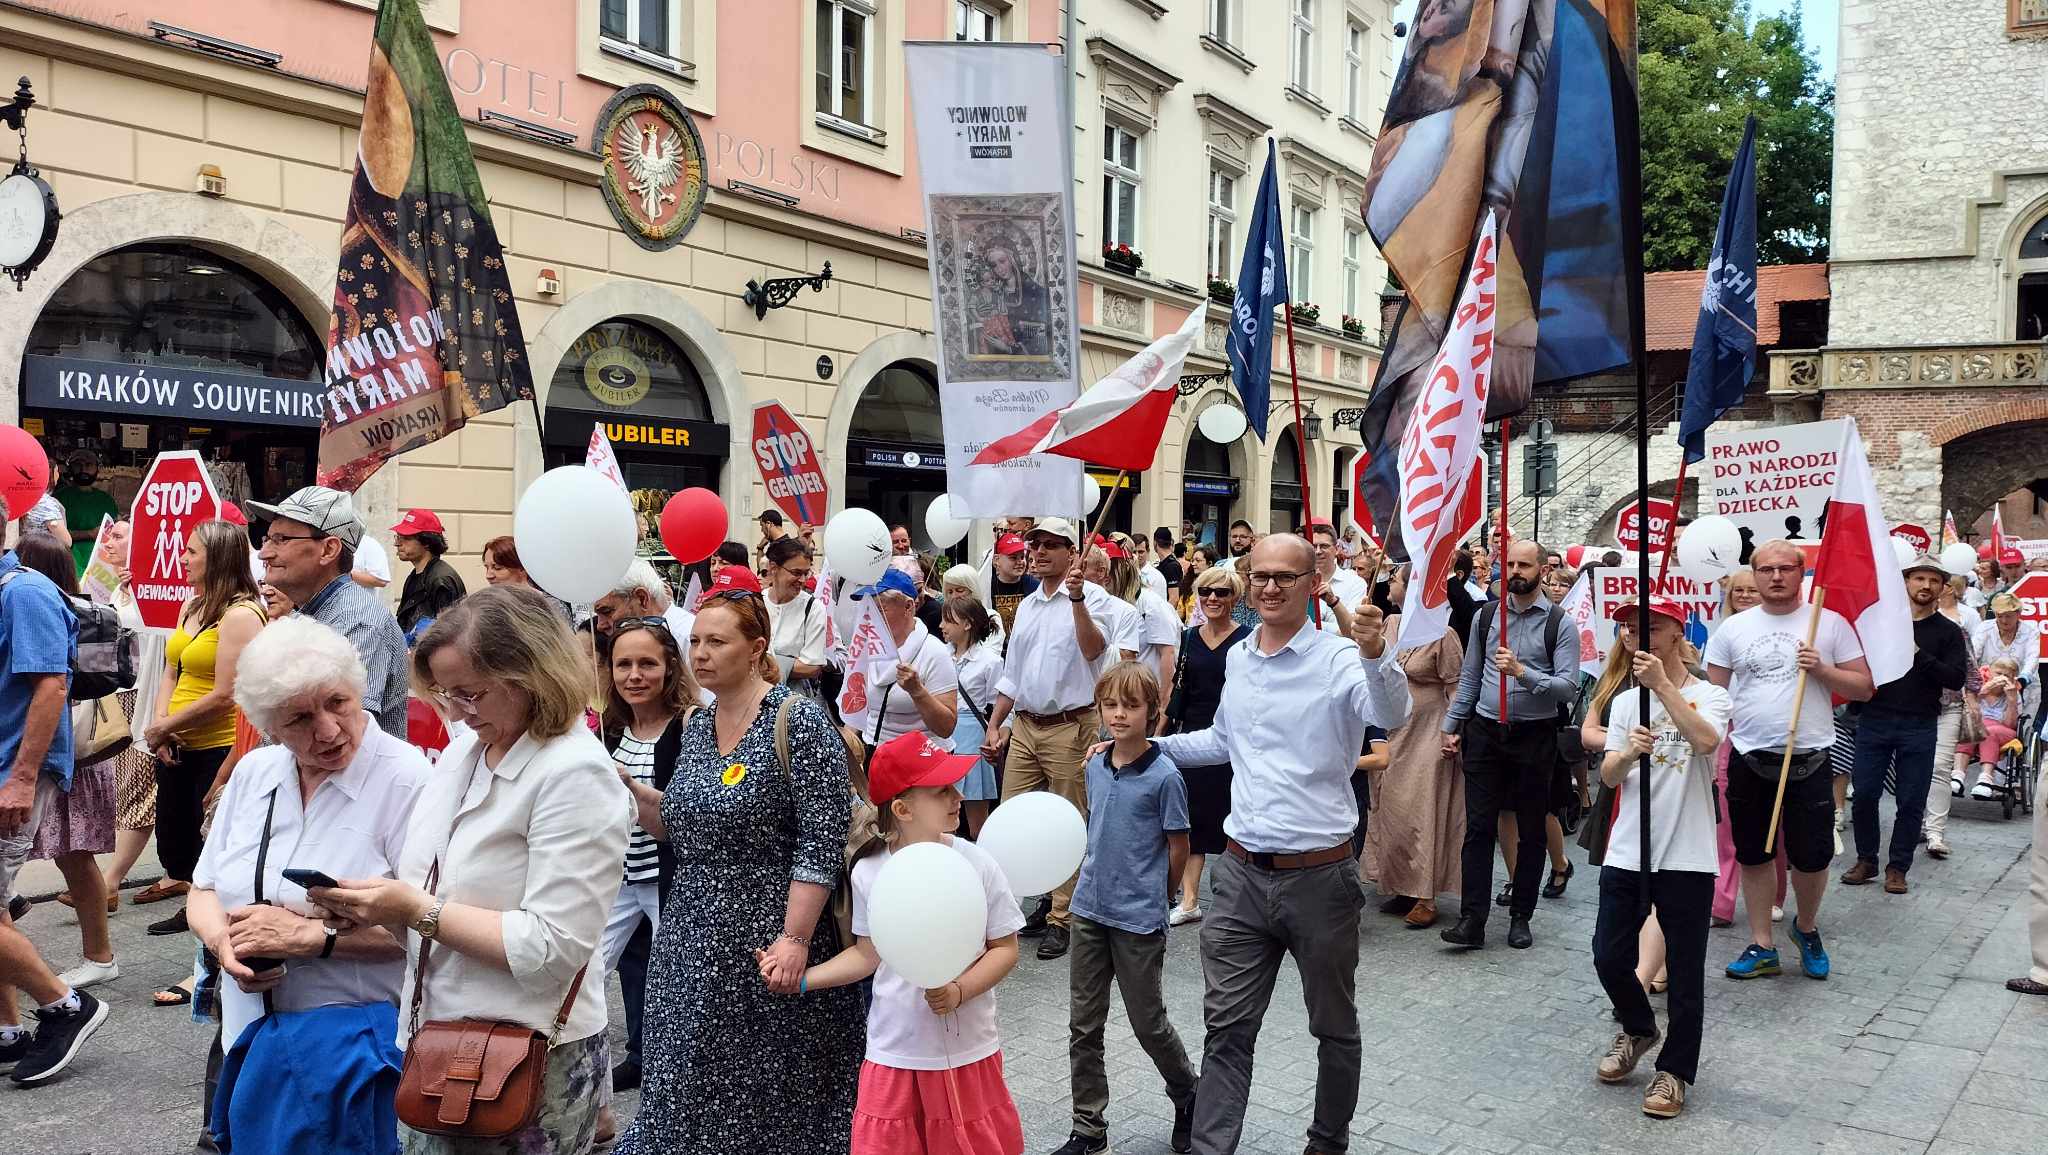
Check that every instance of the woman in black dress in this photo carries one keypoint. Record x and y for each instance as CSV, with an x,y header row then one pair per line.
x,y
1197,691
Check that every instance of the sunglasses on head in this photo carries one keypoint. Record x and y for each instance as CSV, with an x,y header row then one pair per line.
x,y
731,595
641,623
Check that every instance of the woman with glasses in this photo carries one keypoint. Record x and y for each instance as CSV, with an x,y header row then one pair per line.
x,y
650,696
511,859
193,726
1197,691
1417,828
739,1057
796,621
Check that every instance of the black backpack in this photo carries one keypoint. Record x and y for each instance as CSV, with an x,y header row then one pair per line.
x,y
104,661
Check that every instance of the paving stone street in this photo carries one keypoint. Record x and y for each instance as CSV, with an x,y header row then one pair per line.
x,y
1913,1046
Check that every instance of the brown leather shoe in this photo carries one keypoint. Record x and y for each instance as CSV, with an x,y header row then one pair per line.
x,y
113,901
1894,880
1422,914
159,890
1621,1058
1666,1096
1860,873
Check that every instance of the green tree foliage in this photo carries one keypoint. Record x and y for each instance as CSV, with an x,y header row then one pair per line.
x,y
1704,67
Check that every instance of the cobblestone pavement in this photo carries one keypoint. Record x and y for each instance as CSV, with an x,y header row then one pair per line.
x,y
1913,1046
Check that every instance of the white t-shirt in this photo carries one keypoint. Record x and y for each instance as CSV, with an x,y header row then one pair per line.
x,y
1761,649
1158,624
902,1030
796,631
1350,590
867,687
371,559
1681,786
1123,628
1153,580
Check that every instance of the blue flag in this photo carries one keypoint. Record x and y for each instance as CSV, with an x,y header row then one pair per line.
x,y
1261,288
1724,343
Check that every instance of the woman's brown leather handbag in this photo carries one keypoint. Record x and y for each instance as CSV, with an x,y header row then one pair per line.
x,y
472,1077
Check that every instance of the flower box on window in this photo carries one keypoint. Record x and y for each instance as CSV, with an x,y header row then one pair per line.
x,y
1123,258
1307,313
1221,291
1353,327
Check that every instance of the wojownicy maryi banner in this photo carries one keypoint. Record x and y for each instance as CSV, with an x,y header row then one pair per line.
x,y
998,175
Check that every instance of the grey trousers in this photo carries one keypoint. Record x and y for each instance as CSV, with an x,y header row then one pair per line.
x,y
1137,964
1255,917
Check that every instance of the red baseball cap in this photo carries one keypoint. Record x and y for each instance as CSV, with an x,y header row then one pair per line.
x,y
417,521
1109,548
913,760
1009,543
1627,611
2012,556
232,514
732,577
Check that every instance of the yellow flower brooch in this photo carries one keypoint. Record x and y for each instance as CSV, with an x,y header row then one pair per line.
x,y
733,774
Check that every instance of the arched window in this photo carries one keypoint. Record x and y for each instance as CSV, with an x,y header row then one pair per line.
x,y
901,404
2031,321
1206,456
623,367
182,306
1287,495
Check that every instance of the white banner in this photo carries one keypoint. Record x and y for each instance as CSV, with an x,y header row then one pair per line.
x,y
1696,595
1773,483
994,156
601,458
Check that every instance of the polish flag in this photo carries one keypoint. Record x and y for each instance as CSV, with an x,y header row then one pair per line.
x,y
1858,568
1119,421
1361,509
1998,539
1949,536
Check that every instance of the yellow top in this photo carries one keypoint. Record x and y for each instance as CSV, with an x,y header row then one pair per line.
x,y
194,655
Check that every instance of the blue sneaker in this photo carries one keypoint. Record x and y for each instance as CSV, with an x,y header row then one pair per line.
x,y
1756,962
1813,958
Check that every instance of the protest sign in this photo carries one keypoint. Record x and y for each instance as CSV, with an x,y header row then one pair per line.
x,y
1774,483
176,494
1628,531
100,579
1696,594
1917,537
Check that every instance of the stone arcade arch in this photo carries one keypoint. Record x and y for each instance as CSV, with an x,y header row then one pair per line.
x,y
1983,465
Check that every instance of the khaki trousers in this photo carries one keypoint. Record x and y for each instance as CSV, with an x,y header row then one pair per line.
x,y
2037,914
1051,757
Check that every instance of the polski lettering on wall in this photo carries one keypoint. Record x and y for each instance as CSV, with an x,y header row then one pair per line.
x,y
800,172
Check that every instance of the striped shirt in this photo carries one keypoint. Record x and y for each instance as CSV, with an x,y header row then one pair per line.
x,y
637,757
360,616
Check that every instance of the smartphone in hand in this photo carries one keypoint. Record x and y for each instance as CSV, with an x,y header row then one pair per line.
x,y
308,878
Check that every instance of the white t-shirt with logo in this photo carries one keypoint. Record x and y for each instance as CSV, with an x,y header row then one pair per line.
x,y
1761,649
1681,785
902,1030
871,687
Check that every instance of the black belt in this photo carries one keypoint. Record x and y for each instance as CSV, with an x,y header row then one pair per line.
x,y
1074,714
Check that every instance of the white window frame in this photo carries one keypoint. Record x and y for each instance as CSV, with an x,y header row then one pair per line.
x,y
1354,270
631,47
1301,44
1222,18
964,10
835,115
1301,243
1222,223
1115,173
1354,68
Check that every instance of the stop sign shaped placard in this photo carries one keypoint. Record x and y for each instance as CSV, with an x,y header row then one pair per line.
x,y
175,496
2032,590
1915,536
1629,536
789,463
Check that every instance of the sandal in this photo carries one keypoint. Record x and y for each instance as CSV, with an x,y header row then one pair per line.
x,y
172,997
113,901
159,890
1660,984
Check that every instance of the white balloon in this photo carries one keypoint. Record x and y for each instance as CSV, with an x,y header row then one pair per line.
x,y
1091,492
1959,559
928,914
575,532
941,526
1038,839
1904,550
1221,423
857,546
1710,546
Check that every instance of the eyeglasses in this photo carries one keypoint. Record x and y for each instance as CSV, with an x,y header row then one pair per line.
x,y
1281,580
796,573
1763,570
281,538
1049,543
462,700
643,623
1213,592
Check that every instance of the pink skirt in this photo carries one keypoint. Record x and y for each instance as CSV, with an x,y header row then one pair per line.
x,y
903,1112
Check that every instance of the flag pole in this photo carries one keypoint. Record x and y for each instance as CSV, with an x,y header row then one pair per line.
x,y
1315,607
1500,550
1820,595
1671,534
1102,514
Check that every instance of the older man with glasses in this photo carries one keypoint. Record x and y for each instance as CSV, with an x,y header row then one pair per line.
x,y
1045,699
1295,708
309,553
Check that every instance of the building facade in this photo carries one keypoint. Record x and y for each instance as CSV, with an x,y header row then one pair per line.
x,y
202,155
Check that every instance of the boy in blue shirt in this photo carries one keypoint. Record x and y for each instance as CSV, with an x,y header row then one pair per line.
x,y
1137,843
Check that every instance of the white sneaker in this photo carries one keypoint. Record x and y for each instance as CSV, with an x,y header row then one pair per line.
x,y
1777,914
1838,841
1982,791
1955,787
1183,915
90,974
1841,824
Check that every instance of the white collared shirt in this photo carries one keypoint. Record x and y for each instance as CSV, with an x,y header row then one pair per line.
x,y
1043,671
539,838
1291,725
1124,630
354,826
1350,590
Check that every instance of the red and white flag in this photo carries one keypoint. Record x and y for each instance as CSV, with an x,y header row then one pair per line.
x,y
1443,474
1998,539
1118,422
1858,568
1949,536
601,458
1361,509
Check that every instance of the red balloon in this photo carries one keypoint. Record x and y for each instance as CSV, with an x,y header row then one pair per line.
x,y
693,524
24,470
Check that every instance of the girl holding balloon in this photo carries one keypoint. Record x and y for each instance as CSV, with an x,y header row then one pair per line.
x,y
937,934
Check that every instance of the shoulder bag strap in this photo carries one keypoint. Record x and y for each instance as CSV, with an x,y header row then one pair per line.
x,y
782,735
262,859
973,708
881,714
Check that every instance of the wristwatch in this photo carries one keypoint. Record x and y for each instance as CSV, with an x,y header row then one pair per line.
x,y
327,948
429,924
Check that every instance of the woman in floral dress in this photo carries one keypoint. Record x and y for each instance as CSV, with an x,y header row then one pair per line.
x,y
736,1059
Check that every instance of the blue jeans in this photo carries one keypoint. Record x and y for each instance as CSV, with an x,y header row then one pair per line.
x,y
1882,738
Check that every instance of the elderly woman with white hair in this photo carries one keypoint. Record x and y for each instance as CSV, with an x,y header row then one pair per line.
x,y
333,794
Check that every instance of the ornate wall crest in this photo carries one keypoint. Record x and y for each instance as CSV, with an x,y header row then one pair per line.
x,y
653,165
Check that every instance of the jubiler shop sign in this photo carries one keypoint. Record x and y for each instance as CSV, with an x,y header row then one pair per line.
x,y
122,388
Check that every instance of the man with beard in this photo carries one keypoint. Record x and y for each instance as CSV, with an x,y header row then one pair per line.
x,y
1899,725
86,507
1511,760
1241,537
